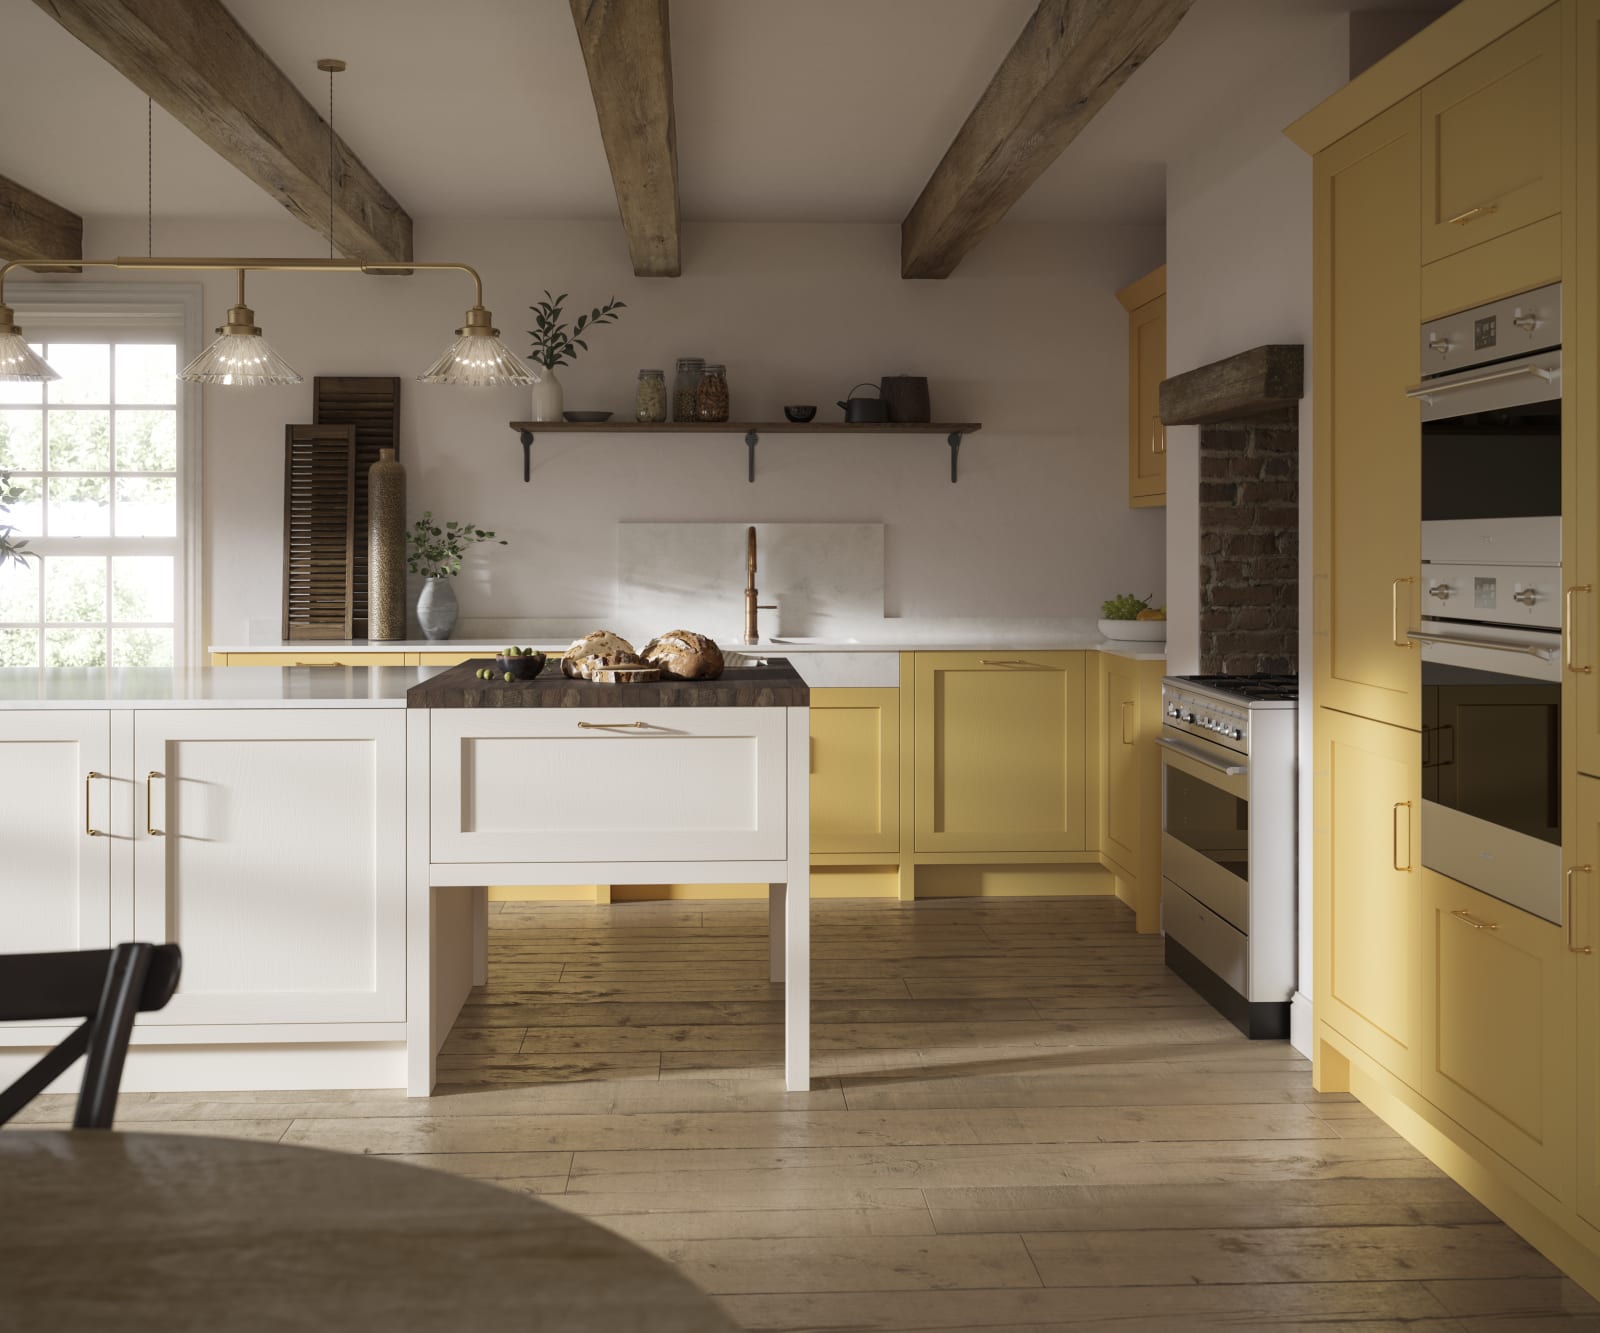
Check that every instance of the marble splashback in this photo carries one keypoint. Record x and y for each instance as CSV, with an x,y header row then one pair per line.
x,y
827,578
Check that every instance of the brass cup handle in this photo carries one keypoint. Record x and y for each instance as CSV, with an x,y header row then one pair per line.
x,y
1395,837
1127,708
1567,909
1569,629
1400,641
610,726
149,810
1473,214
1475,922
88,824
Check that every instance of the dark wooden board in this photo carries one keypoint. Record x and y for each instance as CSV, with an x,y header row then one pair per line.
x,y
1243,387
370,404
776,686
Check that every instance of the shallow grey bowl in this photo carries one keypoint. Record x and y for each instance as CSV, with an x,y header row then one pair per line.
x,y
587,416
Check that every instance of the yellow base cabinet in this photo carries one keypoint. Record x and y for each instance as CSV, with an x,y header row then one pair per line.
x,y
1368,891
1000,752
1130,781
1497,1042
1146,304
314,659
855,771
1582,942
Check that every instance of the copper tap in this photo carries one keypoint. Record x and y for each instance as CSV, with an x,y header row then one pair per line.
x,y
752,627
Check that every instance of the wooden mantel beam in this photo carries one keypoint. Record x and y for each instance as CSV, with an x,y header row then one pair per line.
x,y
628,51
1071,57
195,60
31,227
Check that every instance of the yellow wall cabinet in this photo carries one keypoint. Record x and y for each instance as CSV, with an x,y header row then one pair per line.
x,y
1368,894
855,771
1368,460
1146,304
1000,751
1491,146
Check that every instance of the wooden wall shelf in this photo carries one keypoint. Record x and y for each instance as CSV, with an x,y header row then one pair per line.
x,y
953,431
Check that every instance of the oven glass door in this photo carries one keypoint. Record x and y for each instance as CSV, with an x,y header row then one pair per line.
x,y
1500,462
1208,820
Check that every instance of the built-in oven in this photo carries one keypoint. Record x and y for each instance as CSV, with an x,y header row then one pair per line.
x,y
1490,623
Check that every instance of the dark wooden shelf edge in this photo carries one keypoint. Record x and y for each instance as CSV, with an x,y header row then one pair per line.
x,y
744,427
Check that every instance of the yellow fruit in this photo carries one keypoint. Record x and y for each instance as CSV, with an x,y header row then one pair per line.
x,y
1153,613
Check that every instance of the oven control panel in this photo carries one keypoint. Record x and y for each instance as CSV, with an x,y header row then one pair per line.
x,y
1209,718
1513,327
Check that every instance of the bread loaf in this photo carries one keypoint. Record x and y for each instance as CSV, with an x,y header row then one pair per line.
x,y
684,655
601,642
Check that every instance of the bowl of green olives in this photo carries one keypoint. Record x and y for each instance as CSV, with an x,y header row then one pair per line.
x,y
519,663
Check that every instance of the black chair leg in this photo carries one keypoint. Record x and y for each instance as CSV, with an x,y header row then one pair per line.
x,y
108,1036
50,1067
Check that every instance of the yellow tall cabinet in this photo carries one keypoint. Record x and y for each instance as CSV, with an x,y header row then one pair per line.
x,y
1146,304
1461,169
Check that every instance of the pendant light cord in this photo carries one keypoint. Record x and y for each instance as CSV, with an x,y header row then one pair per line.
x,y
149,177
330,164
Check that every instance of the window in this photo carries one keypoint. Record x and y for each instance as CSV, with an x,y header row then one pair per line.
x,y
99,457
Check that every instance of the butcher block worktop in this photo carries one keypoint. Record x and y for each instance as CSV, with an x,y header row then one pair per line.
x,y
776,685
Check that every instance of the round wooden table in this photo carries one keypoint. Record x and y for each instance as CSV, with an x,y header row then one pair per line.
x,y
135,1232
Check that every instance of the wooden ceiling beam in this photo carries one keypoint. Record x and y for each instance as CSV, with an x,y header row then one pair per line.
x,y
628,51
1071,57
32,227
198,64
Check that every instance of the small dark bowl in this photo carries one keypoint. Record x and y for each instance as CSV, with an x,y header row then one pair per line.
x,y
521,667
801,413
587,416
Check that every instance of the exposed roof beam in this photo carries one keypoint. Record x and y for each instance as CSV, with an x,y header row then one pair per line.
x,y
195,60
628,50
31,227
1071,57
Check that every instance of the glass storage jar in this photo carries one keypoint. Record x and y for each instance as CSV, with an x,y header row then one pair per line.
x,y
685,389
652,396
712,397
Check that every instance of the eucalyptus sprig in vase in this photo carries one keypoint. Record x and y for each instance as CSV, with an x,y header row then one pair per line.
x,y
435,551
554,344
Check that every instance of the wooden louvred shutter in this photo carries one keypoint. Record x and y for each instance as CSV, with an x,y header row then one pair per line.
x,y
371,404
319,532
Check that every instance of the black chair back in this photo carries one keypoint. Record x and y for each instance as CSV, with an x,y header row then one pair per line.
x,y
104,987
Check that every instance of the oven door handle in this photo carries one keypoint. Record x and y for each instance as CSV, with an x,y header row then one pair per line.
x,y
1539,650
1200,756
1426,392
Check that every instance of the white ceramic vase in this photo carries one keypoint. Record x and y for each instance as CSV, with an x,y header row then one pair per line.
x,y
546,398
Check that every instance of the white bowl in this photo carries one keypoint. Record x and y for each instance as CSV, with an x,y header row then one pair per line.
x,y
1143,631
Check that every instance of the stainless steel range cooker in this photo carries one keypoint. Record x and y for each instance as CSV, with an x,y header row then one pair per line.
x,y
1228,862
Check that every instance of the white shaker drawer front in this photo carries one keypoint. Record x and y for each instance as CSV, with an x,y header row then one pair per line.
x,y
647,784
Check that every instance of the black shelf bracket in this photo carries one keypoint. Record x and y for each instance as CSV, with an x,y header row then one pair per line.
x,y
954,441
527,455
751,439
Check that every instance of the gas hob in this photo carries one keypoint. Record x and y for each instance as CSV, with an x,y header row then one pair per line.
x,y
1218,708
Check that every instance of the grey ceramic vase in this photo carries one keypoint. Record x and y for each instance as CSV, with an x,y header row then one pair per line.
x,y
437,609
386,548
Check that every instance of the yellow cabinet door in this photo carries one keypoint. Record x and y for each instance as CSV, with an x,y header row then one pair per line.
x,y
1367,890
1368,484
1147,437
1497,1044
855,771
1580,407
456,658
1582,940
1119,766
1000,752
1492,142
318,659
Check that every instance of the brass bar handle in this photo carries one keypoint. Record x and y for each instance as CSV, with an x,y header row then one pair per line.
x,y
1472,215
1395,837
1127,704
1567,909
88,824
1477,923
1158,436
610,726
1400,640
1567,629
1001,661
149,810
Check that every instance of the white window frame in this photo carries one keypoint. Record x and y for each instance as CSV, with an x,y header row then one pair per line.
x,y
45,308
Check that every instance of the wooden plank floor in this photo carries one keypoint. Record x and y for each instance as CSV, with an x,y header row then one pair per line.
x,y
1021,1121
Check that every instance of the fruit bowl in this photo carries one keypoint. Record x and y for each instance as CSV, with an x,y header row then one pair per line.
x,y
1135,631
521,665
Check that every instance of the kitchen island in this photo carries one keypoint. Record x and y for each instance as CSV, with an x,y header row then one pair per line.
x,y
304,835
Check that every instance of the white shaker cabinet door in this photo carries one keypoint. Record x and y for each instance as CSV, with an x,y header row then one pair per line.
x,y
56,830
270,846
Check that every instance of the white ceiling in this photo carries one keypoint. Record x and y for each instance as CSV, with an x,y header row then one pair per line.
x,y
830,110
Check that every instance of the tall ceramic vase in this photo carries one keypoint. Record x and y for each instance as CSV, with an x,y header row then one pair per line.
x,y
437,608
546,401
386,548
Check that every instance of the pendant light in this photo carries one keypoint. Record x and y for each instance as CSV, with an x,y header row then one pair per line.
x,y
19,363
240,355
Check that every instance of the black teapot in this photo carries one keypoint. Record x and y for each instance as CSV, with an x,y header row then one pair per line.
x,y
865,411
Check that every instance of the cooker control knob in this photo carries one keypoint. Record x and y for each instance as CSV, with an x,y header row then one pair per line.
x,y
1238,735
1188,717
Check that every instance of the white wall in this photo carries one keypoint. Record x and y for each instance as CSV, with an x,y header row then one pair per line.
x,y
1027,337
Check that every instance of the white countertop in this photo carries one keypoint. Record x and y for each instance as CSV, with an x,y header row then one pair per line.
x,y
209,687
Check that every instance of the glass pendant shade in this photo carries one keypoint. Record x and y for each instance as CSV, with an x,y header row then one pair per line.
x,y
240,359
19,363
478,358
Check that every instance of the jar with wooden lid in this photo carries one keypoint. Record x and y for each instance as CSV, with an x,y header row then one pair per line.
x,y
652,396
686,389
711,399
